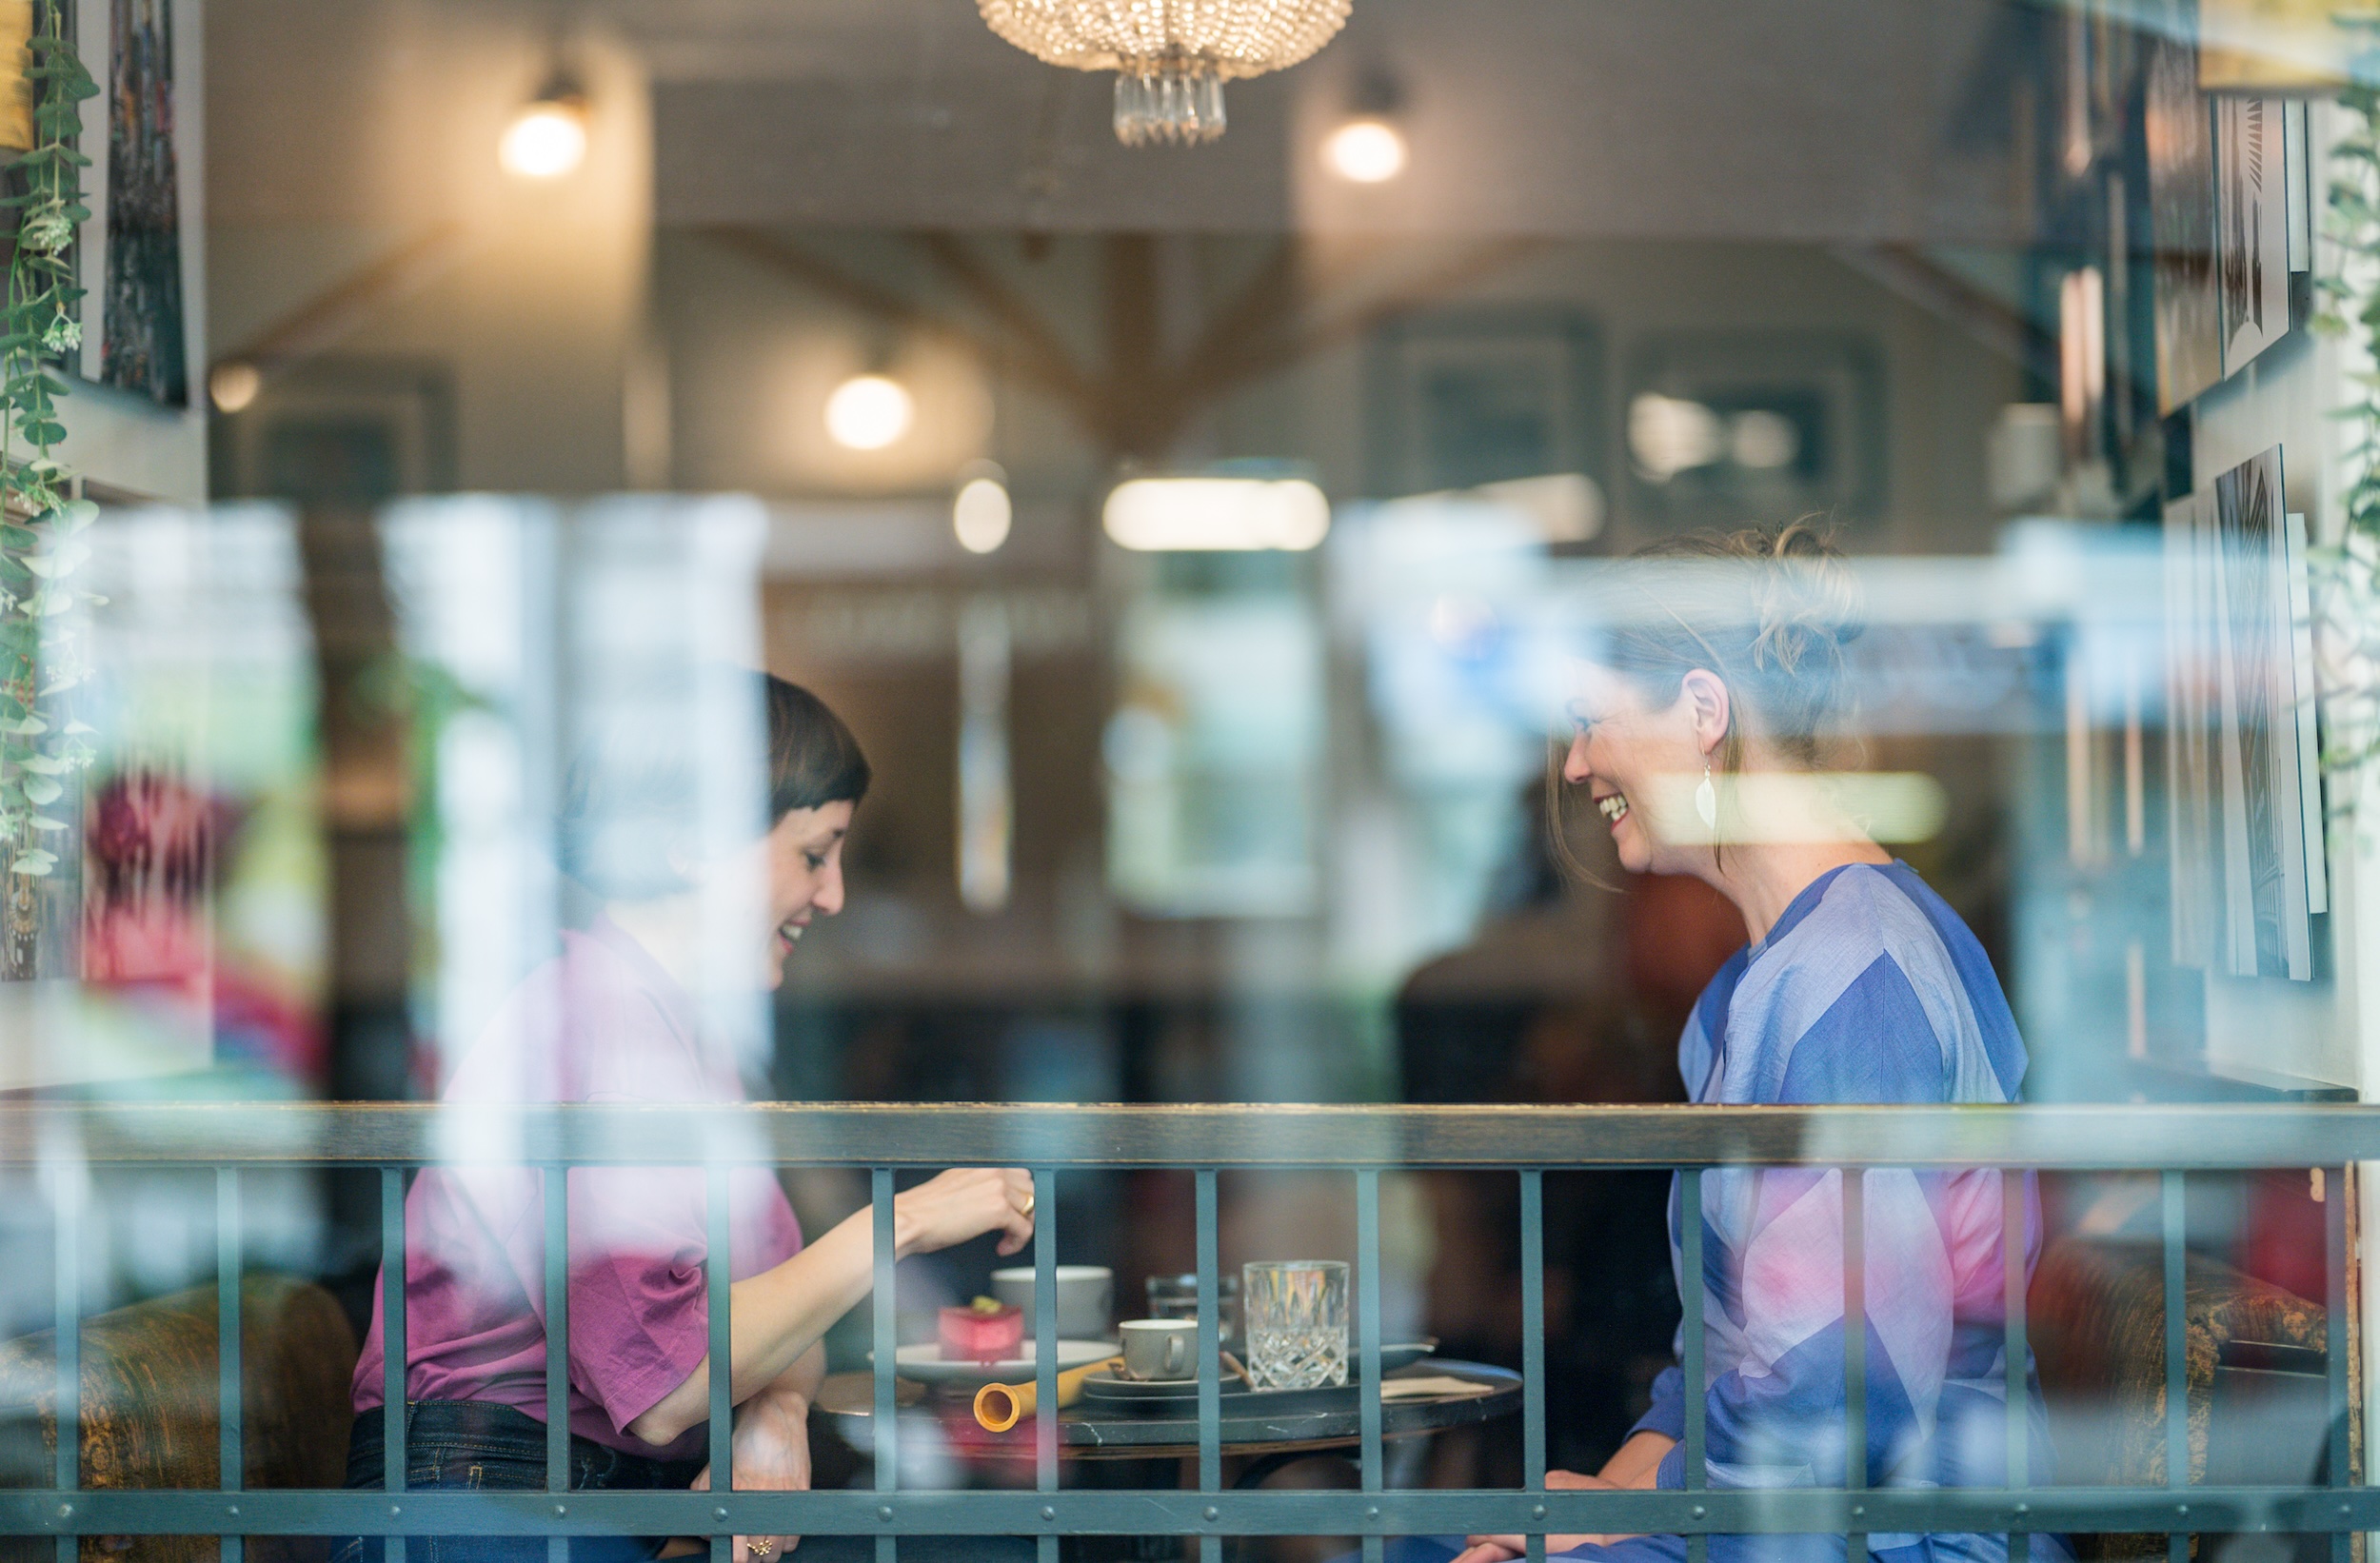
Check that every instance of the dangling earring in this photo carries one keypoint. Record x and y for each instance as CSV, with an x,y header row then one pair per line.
x,y
1707,800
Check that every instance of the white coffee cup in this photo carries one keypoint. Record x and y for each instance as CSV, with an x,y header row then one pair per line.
x,y
1161,1349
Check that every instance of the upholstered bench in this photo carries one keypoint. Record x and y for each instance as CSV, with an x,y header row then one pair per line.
x,y
150,1374
2253,1369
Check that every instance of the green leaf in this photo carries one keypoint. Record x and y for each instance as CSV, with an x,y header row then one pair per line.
x,y
42,822
34,863
40,789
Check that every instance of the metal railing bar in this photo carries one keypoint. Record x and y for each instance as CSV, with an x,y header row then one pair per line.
x,y
1368,1328
885,1424
1690,1342
67,1202
1532,1340
2341,1461
1209,1265
393,1341
2016,1351
231,1449
1211,1135
1088,1511
717,1258
557,1266
1854,1345
2176,1234
1045,1344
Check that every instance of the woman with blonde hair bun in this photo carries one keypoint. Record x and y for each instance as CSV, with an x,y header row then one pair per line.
x,y
1699,728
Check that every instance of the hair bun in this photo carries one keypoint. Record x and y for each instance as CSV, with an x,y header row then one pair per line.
x,y
1804,600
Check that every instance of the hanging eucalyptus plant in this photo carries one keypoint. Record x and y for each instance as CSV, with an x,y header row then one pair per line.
x,y
42,748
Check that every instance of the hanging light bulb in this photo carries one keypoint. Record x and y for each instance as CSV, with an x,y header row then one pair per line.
x,y
981,511
547,138
869,411
1368,147
1367,151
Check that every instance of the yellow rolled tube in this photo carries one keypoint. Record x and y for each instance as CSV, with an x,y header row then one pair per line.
x,y
1000,1407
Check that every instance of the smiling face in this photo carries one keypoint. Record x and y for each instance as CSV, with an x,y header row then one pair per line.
x,y
805,857
1640,762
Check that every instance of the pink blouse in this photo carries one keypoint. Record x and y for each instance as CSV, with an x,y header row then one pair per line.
x,y
602,1021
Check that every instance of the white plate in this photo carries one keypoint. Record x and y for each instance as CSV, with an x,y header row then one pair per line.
x,y
924,1363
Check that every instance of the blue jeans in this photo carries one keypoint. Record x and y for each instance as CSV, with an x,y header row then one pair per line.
x,y
472,1446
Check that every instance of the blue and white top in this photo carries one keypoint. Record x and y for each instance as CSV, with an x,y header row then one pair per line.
x,y
1868,989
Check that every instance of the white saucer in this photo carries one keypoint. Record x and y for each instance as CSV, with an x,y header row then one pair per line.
x,y
925,1362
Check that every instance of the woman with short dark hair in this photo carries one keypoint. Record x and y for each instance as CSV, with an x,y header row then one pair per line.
x,y
613,1018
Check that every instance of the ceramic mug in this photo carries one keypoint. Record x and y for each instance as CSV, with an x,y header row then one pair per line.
x,y
1160,1348
1086,1298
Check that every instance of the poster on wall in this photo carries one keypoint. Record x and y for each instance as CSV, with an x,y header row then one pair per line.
x,y
2251,226
141,346
2181,221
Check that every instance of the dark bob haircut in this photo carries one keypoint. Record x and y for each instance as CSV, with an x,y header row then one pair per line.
x,y
645,792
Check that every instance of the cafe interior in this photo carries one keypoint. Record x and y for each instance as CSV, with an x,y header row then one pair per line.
x,y
1184,488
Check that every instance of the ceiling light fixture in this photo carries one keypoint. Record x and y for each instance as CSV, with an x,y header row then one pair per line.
x,y
547,138
1366,151
1171,60
869,411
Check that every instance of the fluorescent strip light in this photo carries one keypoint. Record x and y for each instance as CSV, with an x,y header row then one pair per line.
x,y
1170,514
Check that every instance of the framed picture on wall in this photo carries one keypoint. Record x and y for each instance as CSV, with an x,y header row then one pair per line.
x,y
2251,207
1723,424
2179,129
342,431
1479,395
2246,857
141,346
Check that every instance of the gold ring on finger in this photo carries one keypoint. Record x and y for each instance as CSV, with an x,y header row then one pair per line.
x,y
762,1547
1028,1207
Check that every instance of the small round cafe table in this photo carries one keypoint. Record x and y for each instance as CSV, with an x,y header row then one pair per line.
x,y
1123,1444
1124,1430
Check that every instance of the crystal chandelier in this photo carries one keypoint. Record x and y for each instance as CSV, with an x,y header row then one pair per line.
x,y
1171,57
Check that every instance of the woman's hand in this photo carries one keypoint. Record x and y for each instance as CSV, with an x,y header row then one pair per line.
x,y
771,1449
1500,1549
961,1203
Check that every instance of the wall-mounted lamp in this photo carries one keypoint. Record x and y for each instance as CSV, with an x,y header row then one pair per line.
x,y
981,511
1366,151
1368,147
869,411
547,138
234,385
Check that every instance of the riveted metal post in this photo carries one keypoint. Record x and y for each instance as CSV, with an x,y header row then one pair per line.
x,y
2016,1245
1210,1336
557,1346
1046,1343
716,1279
1690,1343
1533,1341
2340,1465
1368,1325
885,1425
2176,1356
67,1204
1855,1345
393,1341
231,1451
